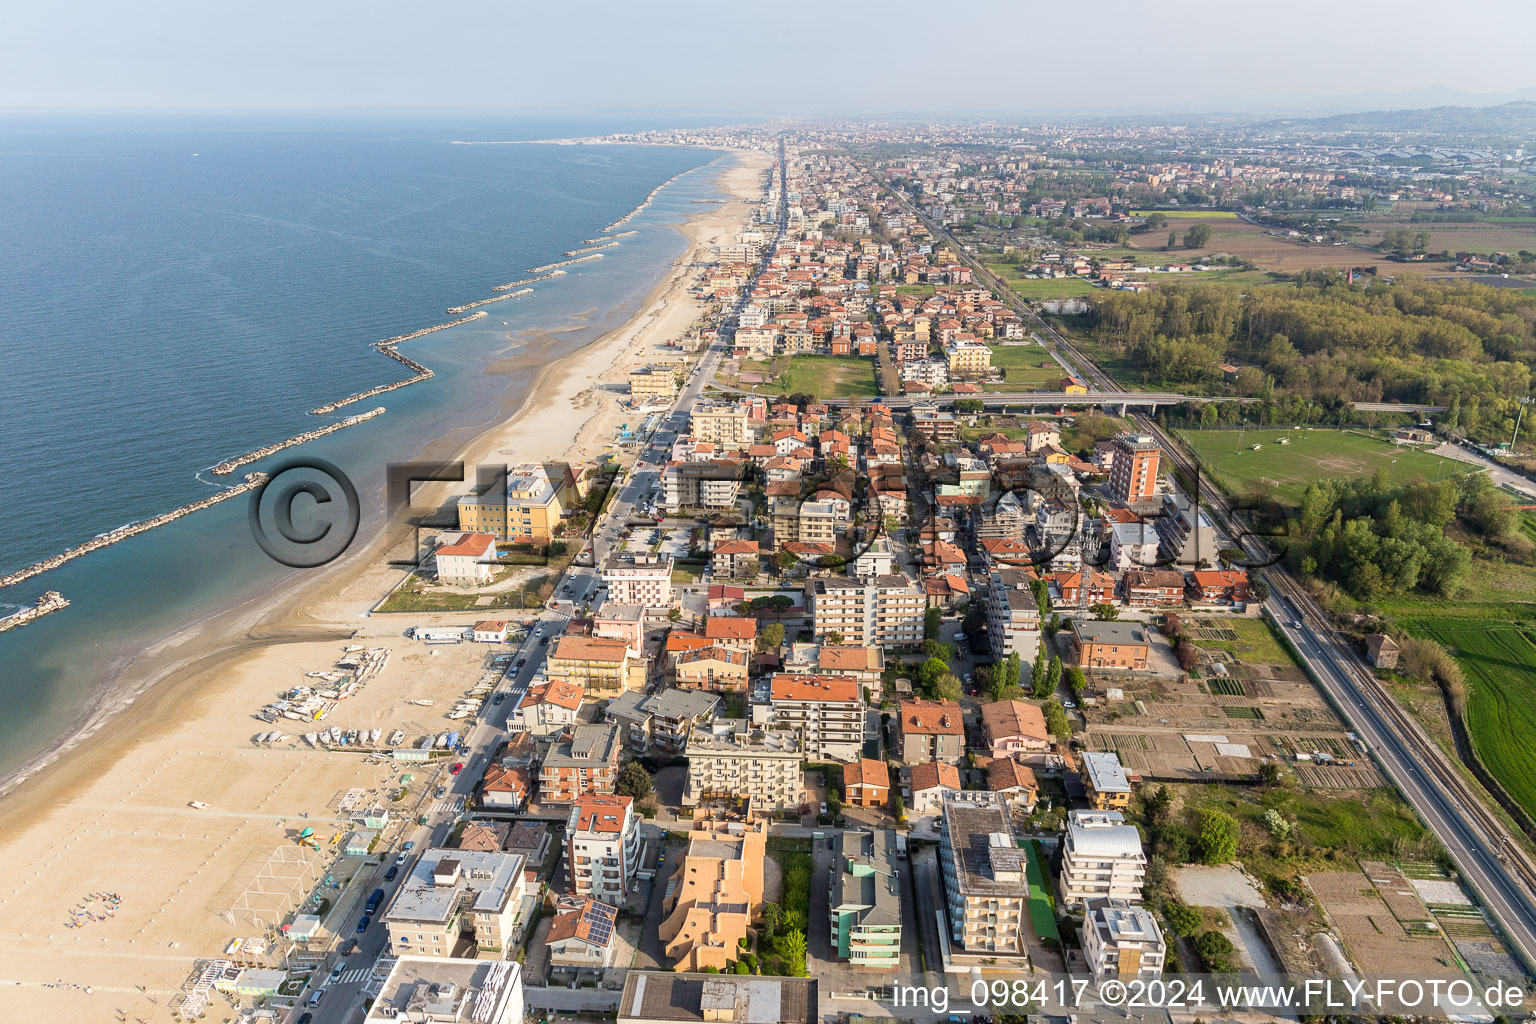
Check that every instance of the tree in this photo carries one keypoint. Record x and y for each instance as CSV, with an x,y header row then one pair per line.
x,y
947,687
1216,950
834,638
1182,919
933,620
1105,611
771,636
634,781
791,948
1197,236
1053,674
1270,773
1173,240
1076,681
1056,720
1216,842
1039,687
786,560
898,808
1156,220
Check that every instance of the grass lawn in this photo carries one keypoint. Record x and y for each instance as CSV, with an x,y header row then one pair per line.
x,y
1499,661
1312,454
1034,288
1042,908
1026,365
828,377
1119,369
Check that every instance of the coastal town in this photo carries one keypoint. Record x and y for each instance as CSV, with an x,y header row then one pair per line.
x,y
909,635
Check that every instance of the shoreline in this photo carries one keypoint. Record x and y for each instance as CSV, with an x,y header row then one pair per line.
x,y
190,688
120,698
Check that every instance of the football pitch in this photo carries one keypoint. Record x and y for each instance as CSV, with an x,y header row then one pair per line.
x,y
1285,470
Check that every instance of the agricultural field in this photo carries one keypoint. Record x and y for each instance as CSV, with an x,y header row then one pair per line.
x,y
1312,454
1027,366
826,377
1499,661
1269,252
1474,236
1190,214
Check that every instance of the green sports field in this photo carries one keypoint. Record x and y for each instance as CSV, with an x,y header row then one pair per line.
x,y
1285,470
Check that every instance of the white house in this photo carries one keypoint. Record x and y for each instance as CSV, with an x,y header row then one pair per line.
x,y
468,559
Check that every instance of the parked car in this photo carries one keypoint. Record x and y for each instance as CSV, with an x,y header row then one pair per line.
x,y
314,1000
363,923
458,766
390,875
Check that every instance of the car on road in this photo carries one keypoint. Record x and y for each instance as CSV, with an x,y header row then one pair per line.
x,y
823,808
458,766
1069,704
308,1018
392,873
337,972
521,662
363,923
821,780
400,859
544,641
314,1000
409,846
500,696
349,947
442,791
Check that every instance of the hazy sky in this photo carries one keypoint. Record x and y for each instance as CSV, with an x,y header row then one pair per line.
x,y
762,58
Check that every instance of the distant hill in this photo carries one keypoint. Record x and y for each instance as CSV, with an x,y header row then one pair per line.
x,y
1516,120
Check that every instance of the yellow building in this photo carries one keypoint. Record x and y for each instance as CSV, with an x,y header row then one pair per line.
x,y
652,382
528,509
968,360
724,423
594,662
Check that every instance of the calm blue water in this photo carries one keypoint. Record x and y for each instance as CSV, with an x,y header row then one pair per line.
x,y
173,296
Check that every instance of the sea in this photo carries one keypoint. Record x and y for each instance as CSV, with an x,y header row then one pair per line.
x,y
173,294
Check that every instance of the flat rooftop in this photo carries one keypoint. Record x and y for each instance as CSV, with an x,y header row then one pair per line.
x,y
485,881
664,996
987,860
447,990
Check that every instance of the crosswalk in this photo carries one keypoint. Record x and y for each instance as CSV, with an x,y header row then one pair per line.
x,y
354,975
448,806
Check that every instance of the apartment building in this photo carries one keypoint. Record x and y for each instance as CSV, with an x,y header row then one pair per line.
x,y
731,759
928,782
822,520
709,485
598,664
602,847
1101,857
527,508
639,578
1109,788
1133,473
449,990
865,664
827,712
1121,939
967,360
715,667
929,730
724,423
986,882
1188,535
662,721
454,895
584,760
1013,615
884,612
649,383
718,891
864,907
1111,645
548,707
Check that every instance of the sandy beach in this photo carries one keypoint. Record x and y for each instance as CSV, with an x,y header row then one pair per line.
x,y
113,816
